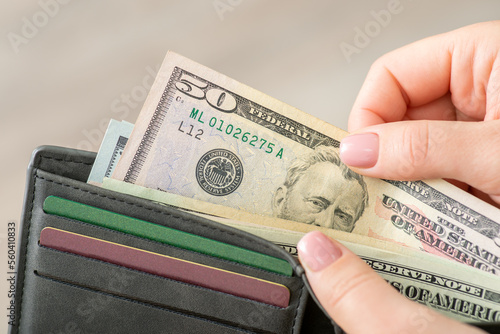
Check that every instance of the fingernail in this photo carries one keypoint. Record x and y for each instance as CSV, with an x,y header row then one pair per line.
x,y
317,251
359,150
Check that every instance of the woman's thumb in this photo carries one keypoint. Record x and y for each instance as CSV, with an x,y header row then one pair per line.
x,y
357,298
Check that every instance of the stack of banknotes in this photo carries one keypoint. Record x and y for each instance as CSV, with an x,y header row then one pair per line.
x,y
210,145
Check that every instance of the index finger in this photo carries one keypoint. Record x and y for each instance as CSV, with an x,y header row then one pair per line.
x,y
421,75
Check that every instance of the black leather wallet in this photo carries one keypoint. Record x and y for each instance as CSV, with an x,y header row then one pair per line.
x,y
59,292
76,294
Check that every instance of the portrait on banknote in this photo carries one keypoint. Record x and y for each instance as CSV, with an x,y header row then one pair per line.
x,y
320,190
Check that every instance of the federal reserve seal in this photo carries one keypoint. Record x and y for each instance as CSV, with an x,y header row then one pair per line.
x,y
219,172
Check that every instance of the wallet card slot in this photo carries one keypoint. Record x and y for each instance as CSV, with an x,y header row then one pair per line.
x,y
108,219
162,292
91,230
167,266
110,294
59,306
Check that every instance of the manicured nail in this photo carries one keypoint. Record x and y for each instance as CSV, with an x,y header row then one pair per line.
x,y
317,251
359,150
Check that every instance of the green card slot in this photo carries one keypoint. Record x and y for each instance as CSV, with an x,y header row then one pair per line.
x,y
140,228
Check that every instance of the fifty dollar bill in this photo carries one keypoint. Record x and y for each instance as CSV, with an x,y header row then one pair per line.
x,y
207,137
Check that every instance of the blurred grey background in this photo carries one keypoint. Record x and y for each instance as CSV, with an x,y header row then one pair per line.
x,y
67,67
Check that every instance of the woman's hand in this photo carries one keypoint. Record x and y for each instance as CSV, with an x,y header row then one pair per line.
x,y
428,110
431,110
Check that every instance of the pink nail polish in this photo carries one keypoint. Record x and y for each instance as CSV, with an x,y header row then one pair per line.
x,y
317,251
359,150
